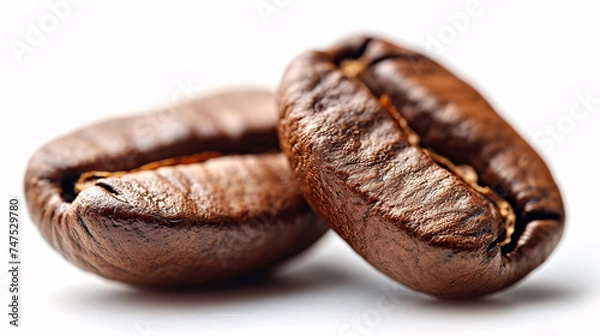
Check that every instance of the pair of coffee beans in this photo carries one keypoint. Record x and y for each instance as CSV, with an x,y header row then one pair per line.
x,y
405,161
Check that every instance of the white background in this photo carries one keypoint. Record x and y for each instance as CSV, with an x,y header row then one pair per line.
x,y
111,57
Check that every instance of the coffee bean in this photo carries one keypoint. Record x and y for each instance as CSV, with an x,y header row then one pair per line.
x,y
203,196
415,170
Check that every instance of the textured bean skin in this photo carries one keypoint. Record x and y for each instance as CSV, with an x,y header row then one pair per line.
x,y
392,202
177,225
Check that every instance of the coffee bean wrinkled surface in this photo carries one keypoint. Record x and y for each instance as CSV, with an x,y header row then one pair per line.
x,y
415,170
185,195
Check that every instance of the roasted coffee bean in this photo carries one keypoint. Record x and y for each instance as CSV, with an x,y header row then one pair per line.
x,y
415,170
180,196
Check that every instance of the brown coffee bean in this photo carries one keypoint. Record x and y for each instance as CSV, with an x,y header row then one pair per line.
x,y
180,196
415,170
